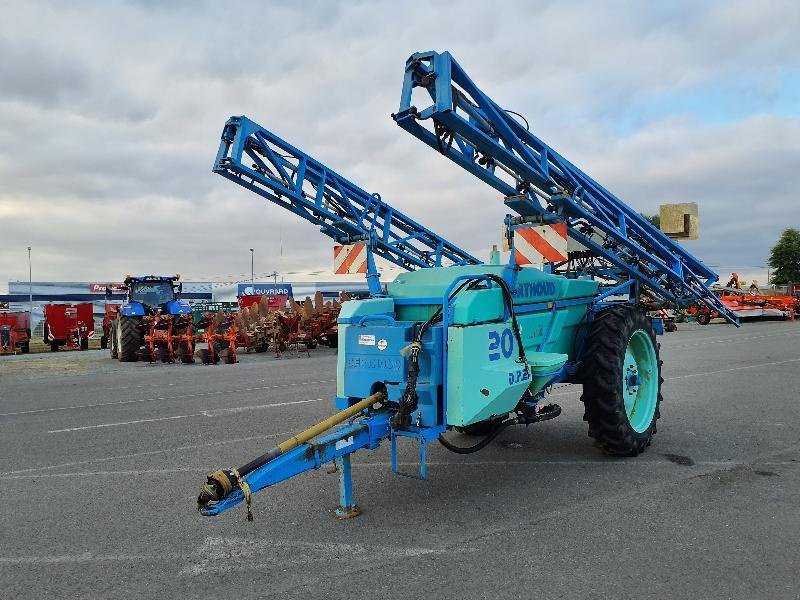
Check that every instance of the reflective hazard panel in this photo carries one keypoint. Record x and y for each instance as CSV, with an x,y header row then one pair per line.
x,y
540,244
350,259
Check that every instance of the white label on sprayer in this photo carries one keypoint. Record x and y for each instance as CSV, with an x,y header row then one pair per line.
x,y
344,443
366,340
382,344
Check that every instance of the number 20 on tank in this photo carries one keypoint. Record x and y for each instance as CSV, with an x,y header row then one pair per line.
x,y
501,343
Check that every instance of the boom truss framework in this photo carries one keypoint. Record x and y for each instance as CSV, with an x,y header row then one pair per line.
x,y
260,161
539,184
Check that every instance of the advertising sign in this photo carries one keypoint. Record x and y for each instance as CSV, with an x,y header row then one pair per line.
x,y
264,289
100,288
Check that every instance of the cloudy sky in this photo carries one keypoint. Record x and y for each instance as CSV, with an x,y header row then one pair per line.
x,y
110,116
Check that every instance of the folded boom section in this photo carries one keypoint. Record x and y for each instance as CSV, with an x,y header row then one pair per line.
x,y
262,162
618,244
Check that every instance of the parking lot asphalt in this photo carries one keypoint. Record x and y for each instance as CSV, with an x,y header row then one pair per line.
x,y
100,462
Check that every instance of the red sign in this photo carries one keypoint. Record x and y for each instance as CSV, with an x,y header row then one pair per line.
x,y
100,288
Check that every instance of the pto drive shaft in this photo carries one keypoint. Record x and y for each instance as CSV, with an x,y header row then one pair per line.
x,y
222,482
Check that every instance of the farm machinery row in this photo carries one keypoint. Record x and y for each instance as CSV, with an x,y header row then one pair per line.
x,y
153,324
303,325
750,305
456,345
68,325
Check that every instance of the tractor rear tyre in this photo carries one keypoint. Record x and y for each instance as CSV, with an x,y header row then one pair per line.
x,y
621,381
112,339
129,339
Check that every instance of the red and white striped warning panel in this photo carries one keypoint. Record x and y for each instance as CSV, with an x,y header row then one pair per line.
x,y
540,244
350,259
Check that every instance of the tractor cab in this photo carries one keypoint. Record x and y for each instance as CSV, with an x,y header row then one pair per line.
x,y
152,294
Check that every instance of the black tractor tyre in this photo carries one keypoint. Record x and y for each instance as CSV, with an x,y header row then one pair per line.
x,y
603,375
703,318
129,339
103,342
185,354
84,343
112,339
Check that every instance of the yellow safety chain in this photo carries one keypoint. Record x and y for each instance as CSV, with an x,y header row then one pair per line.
x,y
245,490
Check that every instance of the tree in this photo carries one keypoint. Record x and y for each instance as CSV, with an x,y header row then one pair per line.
x,y
785,258
655,220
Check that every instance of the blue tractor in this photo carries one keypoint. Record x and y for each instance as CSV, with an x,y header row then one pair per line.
x,y
153,323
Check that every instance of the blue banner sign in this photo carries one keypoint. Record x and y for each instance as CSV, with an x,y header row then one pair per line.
x,y
264,289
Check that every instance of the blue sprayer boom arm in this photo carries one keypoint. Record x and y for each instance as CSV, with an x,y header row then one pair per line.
x,y
539,184
260,161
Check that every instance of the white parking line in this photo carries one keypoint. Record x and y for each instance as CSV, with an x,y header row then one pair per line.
x,y
729,340
769,364
147,453
206,413
164,398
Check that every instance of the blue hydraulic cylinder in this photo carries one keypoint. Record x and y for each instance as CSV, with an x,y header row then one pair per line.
x,y
461,122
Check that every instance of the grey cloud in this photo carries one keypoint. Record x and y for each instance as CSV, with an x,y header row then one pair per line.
x,y
31,74
125,158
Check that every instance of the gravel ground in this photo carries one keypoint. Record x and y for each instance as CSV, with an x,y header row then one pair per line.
x,y
101,461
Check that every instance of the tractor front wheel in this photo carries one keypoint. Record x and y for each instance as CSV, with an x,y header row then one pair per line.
x,y
129,339
621,381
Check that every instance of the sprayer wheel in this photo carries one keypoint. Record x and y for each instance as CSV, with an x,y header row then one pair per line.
x,y
621,381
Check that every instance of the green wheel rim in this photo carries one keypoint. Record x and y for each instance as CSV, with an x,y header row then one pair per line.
x,y
640,381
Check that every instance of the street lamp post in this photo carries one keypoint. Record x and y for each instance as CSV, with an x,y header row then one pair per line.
x,y
30,283
252,268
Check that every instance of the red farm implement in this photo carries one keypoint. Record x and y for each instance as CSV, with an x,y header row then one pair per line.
x,y
15,332
220,336
112,309
168,338
69,325
748,306
308,324
257,322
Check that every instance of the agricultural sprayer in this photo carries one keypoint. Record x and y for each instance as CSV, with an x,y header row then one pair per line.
x,y
460,345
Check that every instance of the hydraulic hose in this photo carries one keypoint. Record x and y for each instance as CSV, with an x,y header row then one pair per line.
x,y
222,482
480,445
